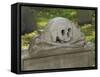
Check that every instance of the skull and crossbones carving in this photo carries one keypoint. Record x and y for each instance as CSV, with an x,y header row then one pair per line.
x,y
59,32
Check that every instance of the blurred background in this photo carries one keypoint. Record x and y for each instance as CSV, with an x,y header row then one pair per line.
x,y
34,20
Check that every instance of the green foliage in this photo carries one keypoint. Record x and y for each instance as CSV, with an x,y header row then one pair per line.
x,y
41,24
43,15
25,39
89,31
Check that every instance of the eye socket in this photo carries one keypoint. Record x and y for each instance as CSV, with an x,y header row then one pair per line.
x,y
68,33
69,29
62,32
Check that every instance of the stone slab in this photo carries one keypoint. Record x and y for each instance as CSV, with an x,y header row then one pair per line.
x,y
66,60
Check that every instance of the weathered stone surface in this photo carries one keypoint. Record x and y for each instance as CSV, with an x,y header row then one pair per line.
x,y
85,17
61,45
28,20
60,32
55,51
66,60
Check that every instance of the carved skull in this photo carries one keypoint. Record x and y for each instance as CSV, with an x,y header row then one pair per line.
x,y
58,32
61,30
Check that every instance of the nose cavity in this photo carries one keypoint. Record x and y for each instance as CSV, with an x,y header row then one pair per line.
x,y
62,32
58,39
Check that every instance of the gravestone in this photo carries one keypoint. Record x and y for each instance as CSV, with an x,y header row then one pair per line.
x,y
60,45
28,20
85,17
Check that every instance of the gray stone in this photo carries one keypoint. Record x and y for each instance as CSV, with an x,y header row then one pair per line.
x,y
28,20
54,49
85,17
64,60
